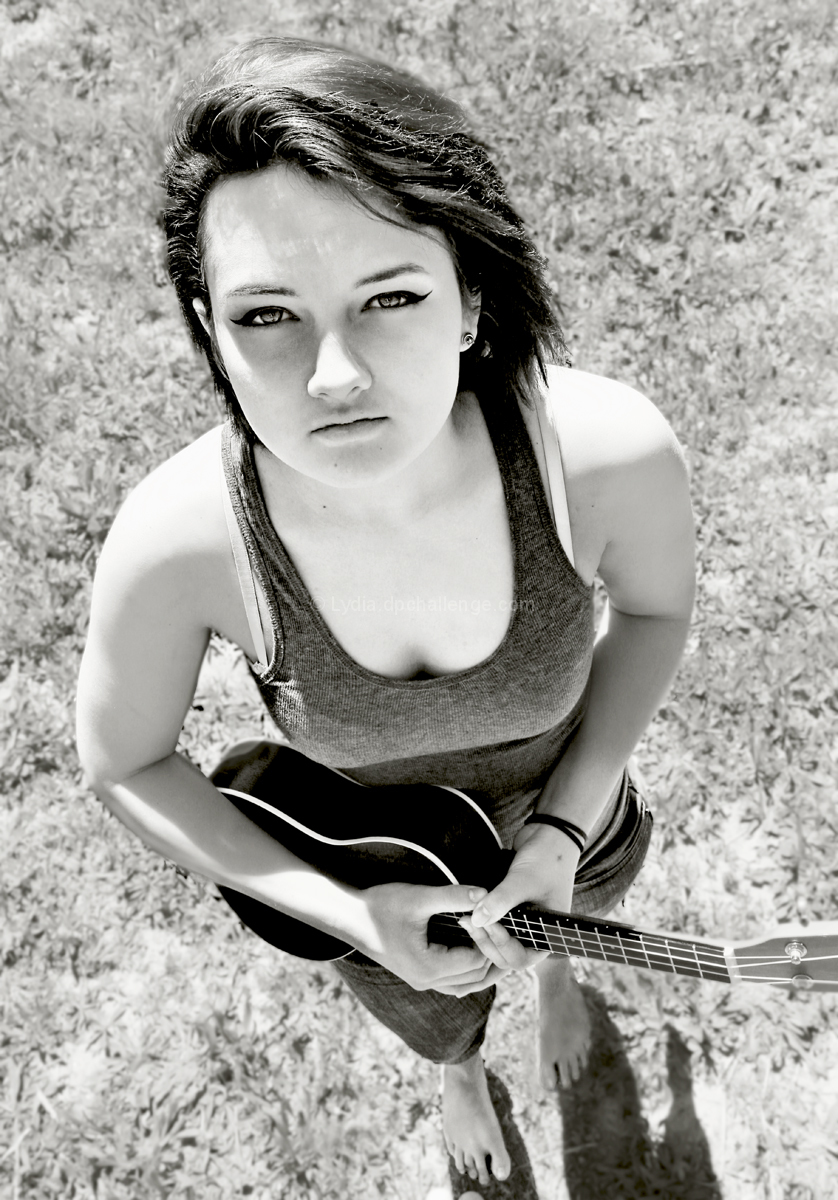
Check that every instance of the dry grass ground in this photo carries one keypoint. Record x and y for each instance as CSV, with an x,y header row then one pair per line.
x,y
678,161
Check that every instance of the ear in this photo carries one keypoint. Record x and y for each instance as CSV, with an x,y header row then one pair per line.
x,y
201,313
204,317
471,311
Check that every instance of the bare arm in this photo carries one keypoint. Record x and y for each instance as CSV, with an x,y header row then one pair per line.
x,y
646,561
632,523
156,596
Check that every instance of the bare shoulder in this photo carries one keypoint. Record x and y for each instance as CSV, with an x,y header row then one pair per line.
x,y
606,426
168,547
177,508
627,491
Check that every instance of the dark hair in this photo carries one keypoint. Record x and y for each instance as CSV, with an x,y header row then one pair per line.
x,y
381,135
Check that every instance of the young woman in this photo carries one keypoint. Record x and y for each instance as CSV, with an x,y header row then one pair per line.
x,y
376,319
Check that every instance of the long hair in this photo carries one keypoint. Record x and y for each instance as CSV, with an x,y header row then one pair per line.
x,y
399,149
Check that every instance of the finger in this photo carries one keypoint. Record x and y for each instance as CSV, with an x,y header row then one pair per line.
x,y
451,898
516,956
466,989
497,945
454,962
510,891
443,977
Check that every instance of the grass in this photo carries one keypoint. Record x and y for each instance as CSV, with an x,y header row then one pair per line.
x,y
678,162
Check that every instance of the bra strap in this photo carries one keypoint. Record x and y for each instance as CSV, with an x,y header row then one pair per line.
x,y
556,490
247,584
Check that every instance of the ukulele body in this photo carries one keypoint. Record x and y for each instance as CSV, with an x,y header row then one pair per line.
x,y
360,836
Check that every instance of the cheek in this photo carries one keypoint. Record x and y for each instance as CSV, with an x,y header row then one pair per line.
x,y
420,351
252,356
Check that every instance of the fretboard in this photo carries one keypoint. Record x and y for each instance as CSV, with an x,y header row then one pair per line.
x,y
607,941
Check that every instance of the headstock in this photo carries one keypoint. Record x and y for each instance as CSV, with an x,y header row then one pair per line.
x,y
802,956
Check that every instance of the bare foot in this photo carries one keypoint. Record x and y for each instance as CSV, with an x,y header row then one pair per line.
x,y
564,1027
469,1124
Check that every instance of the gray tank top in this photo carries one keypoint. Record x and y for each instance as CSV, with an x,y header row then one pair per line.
x,y
494,730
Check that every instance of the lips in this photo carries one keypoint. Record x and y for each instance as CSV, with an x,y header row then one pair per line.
x,y
343,424
351,420
357,430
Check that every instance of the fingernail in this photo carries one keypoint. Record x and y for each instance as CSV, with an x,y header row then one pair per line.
x,y
476,894
479,916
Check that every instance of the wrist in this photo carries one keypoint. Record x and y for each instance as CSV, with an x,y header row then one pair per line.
x,y
569,829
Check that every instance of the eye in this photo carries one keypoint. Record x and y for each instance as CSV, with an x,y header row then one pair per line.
x,y
264,316
395,299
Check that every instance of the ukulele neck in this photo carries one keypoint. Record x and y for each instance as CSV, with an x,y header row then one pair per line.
x,y
617,943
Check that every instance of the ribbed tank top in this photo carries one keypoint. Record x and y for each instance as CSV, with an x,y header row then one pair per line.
x,y
494,730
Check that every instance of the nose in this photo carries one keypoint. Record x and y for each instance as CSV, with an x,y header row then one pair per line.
x,y
338,374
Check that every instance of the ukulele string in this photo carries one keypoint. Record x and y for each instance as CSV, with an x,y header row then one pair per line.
x,y
642,947
640,944
755,961
585,942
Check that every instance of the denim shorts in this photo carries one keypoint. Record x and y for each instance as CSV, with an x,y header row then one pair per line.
x,y
611,864
450,1029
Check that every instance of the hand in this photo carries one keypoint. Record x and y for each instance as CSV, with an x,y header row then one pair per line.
x,y
541,872
400,913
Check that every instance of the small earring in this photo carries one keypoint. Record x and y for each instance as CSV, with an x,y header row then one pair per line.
x,y
468,340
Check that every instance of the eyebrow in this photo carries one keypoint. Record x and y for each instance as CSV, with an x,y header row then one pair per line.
x,y
391,273
262,289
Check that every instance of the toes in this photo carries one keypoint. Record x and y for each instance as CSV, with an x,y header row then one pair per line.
x,y
501,1166
549,1080
571,1068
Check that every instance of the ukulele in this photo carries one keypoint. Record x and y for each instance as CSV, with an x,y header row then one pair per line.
x,y
429,834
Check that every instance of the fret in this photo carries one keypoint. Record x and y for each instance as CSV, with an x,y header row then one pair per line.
x,y
635,957
557,938
645,953
712,966
602,949
575,945
623,951
697,963
688,962
611,948
548,945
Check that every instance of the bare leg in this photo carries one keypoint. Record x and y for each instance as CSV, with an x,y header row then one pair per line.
x,y
469,1123
564,1027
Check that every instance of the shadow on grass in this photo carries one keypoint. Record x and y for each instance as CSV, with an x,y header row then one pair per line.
x,y
609,1152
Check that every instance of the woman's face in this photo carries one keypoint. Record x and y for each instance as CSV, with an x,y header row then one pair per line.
x,y
340,332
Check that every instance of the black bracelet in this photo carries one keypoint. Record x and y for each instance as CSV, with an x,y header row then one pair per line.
x,y
576,835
